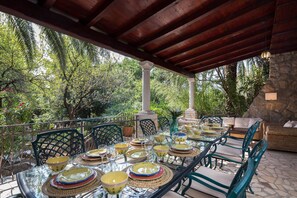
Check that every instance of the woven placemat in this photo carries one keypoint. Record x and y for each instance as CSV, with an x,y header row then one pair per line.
x,y
202,138
80,161
50,191
194,153
153,184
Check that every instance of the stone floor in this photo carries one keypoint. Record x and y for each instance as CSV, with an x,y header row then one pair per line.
x,y
277,177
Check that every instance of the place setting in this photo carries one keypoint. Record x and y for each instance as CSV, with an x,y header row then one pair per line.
x,y
69,182
183,150
148,175
140,142
93,157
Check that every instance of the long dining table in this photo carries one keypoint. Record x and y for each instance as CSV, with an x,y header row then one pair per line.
x,y
30,181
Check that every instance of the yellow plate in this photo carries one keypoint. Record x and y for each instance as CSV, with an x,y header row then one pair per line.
x,y
209,131
138,140
145,169
182,147
137,154
96,152
75,175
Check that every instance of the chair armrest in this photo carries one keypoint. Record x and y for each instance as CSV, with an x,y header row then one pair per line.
x,y
198,178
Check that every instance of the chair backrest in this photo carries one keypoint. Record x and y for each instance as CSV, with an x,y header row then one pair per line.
x,y
107,134
148,127
57,143
211,120
258,151
249,136
241,180
164,123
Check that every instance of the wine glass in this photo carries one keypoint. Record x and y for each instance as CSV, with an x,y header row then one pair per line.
x,y
111,156
102,155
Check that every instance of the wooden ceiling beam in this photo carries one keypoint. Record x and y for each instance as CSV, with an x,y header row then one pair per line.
x,y
222,49
230,55
255,9
179,22
97,14
153,9
227,38
226,62
42,16
46,3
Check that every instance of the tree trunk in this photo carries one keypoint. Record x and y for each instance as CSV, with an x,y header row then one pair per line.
x,y
231,76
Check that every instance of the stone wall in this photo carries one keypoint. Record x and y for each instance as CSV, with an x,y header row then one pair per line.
x,y
282,80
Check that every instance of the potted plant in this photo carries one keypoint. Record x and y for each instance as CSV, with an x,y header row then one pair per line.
x,y
175,113
128,128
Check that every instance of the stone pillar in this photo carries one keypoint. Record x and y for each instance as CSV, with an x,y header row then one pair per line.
x,y
146,92
146,112
190,112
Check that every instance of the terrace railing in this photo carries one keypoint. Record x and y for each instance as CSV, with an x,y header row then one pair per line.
x,y
16,152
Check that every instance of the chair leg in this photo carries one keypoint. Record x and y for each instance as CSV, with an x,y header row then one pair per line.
x,y
221,166
250,189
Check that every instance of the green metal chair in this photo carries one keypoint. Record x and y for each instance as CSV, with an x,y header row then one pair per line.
x,y
237,142
164,123
57,143
148,127
233,153
211,120
213,175
107,134
219,184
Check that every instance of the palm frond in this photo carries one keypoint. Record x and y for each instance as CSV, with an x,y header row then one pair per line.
x,y
57,45
25,35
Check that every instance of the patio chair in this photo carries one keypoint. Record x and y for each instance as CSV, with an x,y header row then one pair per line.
x,y
233,153
57,143
148,127
107,134
164,123
211,120
219,184
213,178
238,142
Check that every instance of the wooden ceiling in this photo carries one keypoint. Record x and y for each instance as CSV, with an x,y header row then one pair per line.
x,y
185,36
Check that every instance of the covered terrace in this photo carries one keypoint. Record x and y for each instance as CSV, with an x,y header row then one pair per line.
x,y
187,37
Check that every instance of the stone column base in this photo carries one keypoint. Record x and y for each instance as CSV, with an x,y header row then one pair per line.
x,y
191,113
145,115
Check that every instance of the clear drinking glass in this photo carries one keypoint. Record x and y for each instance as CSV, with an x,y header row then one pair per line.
x,y
112,156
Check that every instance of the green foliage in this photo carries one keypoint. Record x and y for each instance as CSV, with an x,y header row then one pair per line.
x,y
64,78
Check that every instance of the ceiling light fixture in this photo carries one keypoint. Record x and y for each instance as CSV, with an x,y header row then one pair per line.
x,y
266,55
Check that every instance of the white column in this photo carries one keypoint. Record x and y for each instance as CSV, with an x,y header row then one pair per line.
x,y
146,113
190,112
146,92
191,92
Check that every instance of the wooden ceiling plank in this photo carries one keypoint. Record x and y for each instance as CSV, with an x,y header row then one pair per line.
x,y
226,48
156,7
46,3
282,49
97,14
227,38
230,55
226,62
46,18
49,3
284,26
252,11
176,24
